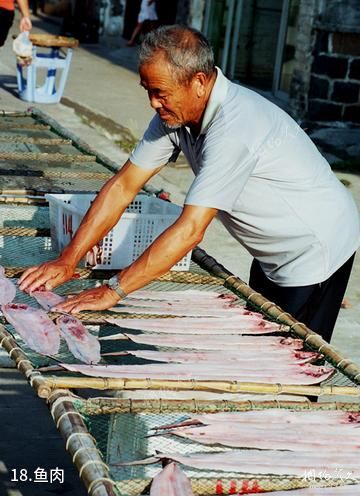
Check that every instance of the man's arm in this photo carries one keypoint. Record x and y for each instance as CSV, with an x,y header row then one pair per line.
x,y
103,214
159,257
25,22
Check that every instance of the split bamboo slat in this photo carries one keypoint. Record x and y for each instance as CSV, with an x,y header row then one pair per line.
x,y
123,384
111,405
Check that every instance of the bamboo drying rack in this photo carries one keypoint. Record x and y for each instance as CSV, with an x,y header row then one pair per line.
x,y
74,409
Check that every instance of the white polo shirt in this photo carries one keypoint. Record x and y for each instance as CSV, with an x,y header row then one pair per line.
x,y
275,192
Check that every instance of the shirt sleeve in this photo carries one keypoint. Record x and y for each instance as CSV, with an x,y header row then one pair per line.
x,y
226,165
157,147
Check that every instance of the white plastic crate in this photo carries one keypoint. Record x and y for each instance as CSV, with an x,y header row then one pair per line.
x,y
144,219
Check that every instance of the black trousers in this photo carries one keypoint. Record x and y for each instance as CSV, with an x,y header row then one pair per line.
x,y
316,305
6,20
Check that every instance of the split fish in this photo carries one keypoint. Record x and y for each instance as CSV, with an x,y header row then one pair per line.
x,y
7,288
306,374
230,324
81,343
34,326
210,342
47,299
249,360
171,481
187,296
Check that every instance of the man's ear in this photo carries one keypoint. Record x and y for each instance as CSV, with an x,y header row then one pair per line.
x,y
199,83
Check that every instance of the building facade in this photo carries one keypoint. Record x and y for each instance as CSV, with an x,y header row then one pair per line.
x,y
304,54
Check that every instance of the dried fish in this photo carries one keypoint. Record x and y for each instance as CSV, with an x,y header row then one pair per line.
x,y
7,288
209,342
81,343
239,324
248,360
300,437
187,296
171,481
301,374
34,326
266,462
47,299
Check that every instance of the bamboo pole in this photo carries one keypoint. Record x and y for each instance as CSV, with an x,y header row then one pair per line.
x,y
269,309
104,383
16,200
171,276
31,140
24,231
81,446
45,157
107,405
12,125
14,113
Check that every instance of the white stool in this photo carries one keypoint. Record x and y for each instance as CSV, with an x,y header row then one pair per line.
x,y
51,61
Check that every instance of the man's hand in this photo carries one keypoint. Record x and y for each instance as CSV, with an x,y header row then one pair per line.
x,y
49,275
25,24
100,298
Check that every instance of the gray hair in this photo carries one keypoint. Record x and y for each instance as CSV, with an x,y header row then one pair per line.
x,y
186,50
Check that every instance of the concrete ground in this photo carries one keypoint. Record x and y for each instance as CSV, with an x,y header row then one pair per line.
x,y
102,103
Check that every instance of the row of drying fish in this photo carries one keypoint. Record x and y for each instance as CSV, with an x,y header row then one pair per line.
x,y
273,429
264,462
313,440
39,332
282,361
172,481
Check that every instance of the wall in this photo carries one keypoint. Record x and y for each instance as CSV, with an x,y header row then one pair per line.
x,y
326,81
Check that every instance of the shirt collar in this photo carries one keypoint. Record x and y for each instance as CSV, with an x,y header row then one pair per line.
x,y
217,96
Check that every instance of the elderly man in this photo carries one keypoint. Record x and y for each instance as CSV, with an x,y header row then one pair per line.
x,y
255,169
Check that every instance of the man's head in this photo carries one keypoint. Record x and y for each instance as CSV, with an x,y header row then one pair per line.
x,y
176,66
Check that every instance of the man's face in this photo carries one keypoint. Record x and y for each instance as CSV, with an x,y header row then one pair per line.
x,y
177,104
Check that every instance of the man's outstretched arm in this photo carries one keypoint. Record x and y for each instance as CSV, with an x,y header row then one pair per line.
x,y
159,257
103,214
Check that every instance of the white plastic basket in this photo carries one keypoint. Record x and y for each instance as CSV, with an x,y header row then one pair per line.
x,y
143,221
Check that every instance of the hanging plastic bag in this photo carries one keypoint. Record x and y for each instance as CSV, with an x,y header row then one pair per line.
x,y
23,47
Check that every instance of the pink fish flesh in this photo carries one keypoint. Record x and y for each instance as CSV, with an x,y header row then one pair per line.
x,y
171,481
179,312
209,342
303,374
305,437
34,327
83,345
47,299
187,296
241,324
272,462
250,360
204,304
270,417
351,489
7,288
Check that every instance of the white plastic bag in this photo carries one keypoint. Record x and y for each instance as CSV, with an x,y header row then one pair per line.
x,y
22,46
